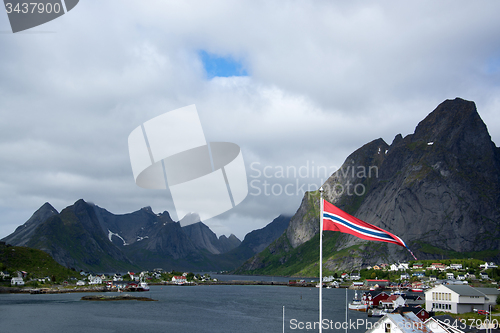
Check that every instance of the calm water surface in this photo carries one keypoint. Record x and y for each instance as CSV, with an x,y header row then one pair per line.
x,y
204,309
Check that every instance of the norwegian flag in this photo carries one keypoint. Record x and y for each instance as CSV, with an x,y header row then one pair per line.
x,y
335,219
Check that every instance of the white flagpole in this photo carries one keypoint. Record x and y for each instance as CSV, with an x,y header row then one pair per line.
x,y
320,259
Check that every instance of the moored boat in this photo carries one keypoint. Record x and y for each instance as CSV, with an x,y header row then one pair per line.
x,y
358,304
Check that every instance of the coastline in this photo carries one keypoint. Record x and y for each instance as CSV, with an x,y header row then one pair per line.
x,y
62,290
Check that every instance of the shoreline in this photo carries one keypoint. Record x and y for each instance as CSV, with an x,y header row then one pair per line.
x,y
63,290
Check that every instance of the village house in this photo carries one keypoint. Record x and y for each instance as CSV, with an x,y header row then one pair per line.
x,y
95,279
461,277
456,266
376,267
393,302
417,265
484,276
375,297
450,276
355,276
372,283
399,323
458,298
80,283
404,276
420,312
328,278
437,266
344,276
17,281
179,279
487,265
446,324
470,276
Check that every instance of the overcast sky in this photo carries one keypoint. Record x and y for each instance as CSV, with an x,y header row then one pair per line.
x,y
293,83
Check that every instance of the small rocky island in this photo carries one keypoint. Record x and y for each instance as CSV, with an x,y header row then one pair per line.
x,y
125,297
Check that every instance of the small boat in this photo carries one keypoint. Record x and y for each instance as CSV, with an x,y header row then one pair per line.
x,y
417,290
358,304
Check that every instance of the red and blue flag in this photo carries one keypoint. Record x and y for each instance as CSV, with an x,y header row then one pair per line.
x,y
335,219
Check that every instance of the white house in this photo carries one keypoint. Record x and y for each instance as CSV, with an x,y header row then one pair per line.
x,y
355,276
484,276
399,323
179,279
450,276
456,266
461,277
95,279
487,265
393,302
80,283
454,299
17,281
404,276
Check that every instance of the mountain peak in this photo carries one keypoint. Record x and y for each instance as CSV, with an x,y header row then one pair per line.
x,y
147,209
453,122
47,207
23,233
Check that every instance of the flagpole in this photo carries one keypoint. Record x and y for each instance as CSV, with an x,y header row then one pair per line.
x,y
320,259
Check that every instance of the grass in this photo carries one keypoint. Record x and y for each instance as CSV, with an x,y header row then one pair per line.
x,y
37,263
450,254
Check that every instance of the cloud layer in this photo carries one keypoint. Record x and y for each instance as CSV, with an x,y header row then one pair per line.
x,y
323,79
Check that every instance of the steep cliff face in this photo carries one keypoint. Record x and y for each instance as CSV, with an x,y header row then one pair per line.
x,y
204,238
438,189
441,185
24,232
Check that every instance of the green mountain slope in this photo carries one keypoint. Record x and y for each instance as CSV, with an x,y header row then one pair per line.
x,y
37,263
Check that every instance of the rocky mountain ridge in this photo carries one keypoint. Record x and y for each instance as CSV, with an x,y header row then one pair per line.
x,y
86,236
438,189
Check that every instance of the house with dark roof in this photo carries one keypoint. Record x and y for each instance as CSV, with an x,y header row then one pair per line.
x,y
420,312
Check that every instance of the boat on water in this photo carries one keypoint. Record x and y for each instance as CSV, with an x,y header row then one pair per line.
x,y
358,304
417,290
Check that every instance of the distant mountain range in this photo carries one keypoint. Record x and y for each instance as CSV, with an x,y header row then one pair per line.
x,y
86,236
438,189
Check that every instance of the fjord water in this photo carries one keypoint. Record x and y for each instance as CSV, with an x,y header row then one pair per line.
x,y
216,308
